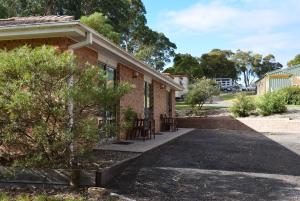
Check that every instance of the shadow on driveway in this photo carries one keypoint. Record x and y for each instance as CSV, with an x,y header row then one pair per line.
x,y
214,165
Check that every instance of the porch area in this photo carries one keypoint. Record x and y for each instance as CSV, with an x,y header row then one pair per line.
x,y
140,146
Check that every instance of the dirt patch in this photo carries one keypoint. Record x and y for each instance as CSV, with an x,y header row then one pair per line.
x,y
99,159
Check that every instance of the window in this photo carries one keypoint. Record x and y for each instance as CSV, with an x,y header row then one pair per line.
x,y
169,103
109,114
146,100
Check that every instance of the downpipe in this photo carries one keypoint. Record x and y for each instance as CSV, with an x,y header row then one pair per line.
x,y
74,180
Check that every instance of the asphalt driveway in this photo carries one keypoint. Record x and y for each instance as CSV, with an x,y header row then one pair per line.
x,y
214,165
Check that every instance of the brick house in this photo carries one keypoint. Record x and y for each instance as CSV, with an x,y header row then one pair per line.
x,y
154,93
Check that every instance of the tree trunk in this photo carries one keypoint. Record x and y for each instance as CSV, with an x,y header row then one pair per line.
x,y
49,10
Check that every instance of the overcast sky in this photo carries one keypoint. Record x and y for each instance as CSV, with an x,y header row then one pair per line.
x,y
197,26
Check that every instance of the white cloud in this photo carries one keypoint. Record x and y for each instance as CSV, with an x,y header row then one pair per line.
x,y
263,26
267,42
218,16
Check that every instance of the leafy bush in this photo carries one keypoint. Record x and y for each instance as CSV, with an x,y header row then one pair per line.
x,y
271,103
34,97
291,95
243,105
129,117
201,91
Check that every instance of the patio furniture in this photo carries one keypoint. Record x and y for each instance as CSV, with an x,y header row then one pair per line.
x,y
144,128
168,123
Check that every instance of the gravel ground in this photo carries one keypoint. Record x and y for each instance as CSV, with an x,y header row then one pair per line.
x,y
214,165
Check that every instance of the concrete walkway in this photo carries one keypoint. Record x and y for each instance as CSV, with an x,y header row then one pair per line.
x,y
141,146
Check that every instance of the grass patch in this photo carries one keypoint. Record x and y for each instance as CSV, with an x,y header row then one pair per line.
x,y
29,197
184,106
228,96
293,107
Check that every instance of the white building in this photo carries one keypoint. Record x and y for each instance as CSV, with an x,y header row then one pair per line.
x,y
183,81
225,82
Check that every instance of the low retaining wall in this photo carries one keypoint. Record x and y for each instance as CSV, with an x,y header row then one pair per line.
x,y
61,177
224,122
268,125
45,177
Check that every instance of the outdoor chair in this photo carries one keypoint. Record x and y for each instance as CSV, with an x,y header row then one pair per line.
x,y
168,123
143,128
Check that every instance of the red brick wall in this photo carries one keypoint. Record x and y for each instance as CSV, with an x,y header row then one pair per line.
x,y
83,54
61,43
135,99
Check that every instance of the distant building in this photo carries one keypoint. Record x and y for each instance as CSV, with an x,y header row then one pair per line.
x,y
278,79
182,80
225,82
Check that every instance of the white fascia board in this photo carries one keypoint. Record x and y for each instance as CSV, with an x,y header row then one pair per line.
x,y
77,28
39,30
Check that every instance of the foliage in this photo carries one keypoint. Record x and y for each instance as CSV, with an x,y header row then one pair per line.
x,y
32,197
214,64
217,63
294,61
129,116
271,103
201,91
291,95
250,65
243,105
127,17
34,95
186,64
265,64
153,48
100,23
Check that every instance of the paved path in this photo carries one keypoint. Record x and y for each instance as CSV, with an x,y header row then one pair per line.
x,y
214,165
140,146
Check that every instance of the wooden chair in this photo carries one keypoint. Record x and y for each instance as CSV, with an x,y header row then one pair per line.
x,y
143,128
168,123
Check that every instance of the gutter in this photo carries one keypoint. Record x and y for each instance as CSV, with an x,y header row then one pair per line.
x,y
86,42
93,36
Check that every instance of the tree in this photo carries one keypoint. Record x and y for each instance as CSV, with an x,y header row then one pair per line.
x,y
245,61
33,105
186,64
127,17
14,8
294,61
265,65
252,65
154,49
99,23
218,63
201,91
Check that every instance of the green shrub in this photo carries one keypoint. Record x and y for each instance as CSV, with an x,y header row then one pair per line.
x,y
129,117
271,103
242,106
291,95
201,91
34,99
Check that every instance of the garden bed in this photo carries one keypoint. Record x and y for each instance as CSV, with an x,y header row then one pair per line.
x,y
15,193
94,169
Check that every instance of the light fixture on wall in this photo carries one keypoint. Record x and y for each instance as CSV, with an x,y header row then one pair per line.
x,y
135,74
